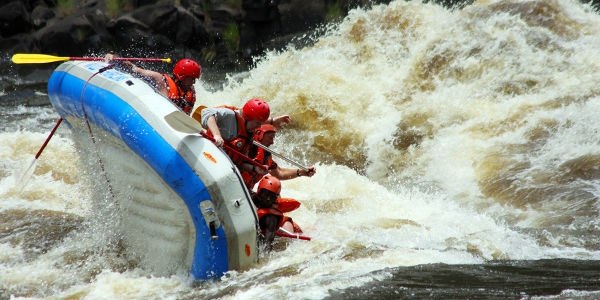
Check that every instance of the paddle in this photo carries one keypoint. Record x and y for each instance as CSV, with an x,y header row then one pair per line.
x,y
184,123
284,233
25,175
280,155
32,58
181,122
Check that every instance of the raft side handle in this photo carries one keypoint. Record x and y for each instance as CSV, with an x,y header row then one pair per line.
x,y
210,217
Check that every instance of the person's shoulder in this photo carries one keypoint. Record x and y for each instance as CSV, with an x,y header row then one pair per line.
x,y
221,111
225,110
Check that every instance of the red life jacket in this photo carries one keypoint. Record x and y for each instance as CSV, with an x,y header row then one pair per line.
x,y
261,212
184,100
241,142
262,157
286,204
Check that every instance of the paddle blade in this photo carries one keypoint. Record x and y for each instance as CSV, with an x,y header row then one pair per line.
x,y
183,123
25,175
197,114
30,58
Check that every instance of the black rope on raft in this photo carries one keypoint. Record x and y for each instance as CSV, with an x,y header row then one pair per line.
x,y
87,122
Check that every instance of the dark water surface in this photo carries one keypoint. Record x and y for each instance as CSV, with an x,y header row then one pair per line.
x,y
496,280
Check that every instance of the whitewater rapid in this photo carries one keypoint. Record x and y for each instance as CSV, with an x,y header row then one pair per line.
x,y
439,136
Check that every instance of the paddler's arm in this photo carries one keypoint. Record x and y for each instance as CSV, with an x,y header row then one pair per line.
x,y
156,78
211,123
249,167
221,122
287,173
279,121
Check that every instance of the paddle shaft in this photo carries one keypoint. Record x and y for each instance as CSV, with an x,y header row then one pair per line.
x,y
32,58
123,59
280,155
48,138
284,233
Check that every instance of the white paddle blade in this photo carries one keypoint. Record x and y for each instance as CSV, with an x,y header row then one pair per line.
x,y
25,175
183,123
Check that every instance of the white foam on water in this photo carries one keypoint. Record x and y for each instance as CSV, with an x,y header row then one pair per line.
x,y
452,136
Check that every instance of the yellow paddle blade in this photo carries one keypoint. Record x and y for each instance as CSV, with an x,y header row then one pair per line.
x,y
197,114
29,58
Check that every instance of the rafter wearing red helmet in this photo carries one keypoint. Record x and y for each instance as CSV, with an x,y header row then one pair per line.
x,y
271,218
179,87
235,126
265,134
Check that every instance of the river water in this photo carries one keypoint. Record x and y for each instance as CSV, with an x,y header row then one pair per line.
x,y
457,155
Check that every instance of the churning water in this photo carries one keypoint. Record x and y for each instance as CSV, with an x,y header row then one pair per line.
x,y
457,155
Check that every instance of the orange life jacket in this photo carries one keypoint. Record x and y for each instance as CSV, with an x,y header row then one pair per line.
x,y
262,157
184,100
286,204
241,142
261,212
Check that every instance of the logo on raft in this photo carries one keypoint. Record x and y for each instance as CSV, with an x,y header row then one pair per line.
x,y
210,157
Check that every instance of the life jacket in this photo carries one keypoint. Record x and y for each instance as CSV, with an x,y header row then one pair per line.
x,y
184,100
241,142
286,204
261,212
262,157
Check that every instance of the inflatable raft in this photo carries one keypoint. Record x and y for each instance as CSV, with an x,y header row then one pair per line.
x,y
182,204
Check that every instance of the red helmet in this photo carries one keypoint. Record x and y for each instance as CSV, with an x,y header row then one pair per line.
x,y
256,109
186,68
270,183
259,133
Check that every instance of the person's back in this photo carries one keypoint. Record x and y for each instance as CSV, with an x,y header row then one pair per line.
x,y
226,122
230,126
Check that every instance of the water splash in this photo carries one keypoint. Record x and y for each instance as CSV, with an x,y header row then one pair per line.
x,y
453,136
